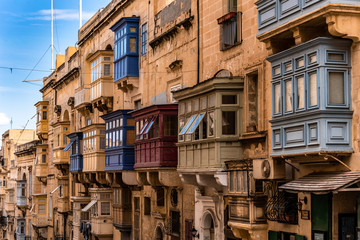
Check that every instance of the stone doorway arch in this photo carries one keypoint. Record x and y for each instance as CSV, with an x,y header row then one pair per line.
x,y
159,235
208,226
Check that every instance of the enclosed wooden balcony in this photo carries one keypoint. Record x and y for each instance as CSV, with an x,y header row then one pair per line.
x,y
120,138
63,202
210,124
82,98
42,123
61,130
76,149
122,214
155,144
21,193
39,221
94,148
100,212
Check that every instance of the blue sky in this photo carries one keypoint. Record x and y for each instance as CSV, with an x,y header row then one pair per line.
x,y
24,43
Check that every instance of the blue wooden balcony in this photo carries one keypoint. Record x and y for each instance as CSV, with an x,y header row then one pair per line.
x,y
76,157
120,138
275,13
311,98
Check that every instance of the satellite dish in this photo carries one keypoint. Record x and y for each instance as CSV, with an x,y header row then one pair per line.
x,y
265,169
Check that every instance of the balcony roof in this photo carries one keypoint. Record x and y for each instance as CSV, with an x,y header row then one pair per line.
x,y
323,182
152,109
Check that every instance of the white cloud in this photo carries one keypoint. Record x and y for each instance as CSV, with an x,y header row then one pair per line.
x,y
4,120
60,14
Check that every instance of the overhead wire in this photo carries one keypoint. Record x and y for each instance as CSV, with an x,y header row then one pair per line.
x,y
37,63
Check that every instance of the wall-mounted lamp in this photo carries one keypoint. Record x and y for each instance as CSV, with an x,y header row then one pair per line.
x,y
194,233
300,204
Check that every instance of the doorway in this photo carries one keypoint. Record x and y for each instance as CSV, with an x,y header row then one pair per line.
x,y
347,226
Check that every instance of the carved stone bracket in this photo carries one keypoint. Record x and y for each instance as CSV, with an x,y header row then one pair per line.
x,y
344,25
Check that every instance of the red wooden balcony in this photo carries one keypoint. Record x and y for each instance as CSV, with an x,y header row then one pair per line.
x,y
156,136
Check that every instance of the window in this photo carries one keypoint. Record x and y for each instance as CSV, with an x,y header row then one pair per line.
x,y
105,208
41,206
277,97
160,197
43,159
144,39
170,125
230,26
252,93
44,117
126,48
147,206
288,96
107,69
300,94
228,122
313,81
175,222
239,182
96,69
336,88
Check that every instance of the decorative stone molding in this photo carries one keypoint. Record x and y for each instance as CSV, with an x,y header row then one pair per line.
x,y
344,25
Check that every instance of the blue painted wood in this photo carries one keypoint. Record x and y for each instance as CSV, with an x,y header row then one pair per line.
x,y
120,157
126,61
76,158
274,13
323,126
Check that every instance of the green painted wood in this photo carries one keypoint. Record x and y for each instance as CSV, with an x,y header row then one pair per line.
x,y
299,237
320,212
272,235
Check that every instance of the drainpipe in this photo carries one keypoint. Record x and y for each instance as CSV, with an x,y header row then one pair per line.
x,y
198,42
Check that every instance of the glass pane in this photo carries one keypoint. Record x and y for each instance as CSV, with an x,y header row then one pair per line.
x,y
313,89
336,88
228,122
232,176
300,63
183,131
143,129
170,125
288,67
336,57
150,125
132,29
288,97
276,70
196,123
229,99
211,124
239,181
212,100
133,45
313,58
300,93
277,94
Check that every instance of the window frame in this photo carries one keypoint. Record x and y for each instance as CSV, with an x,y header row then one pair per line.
x,y
346,88
144,37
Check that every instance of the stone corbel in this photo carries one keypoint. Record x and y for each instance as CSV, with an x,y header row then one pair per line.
x,y
188,179
101,178
221,178
129,178
141,178
344,25
169,178
153,179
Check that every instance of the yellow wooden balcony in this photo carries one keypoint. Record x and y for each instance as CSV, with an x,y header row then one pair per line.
x,y
102,87
63,204
39,220
41,170
94,148
61,129
61,157
42,123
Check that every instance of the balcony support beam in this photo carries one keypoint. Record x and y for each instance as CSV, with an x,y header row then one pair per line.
x,y
344,25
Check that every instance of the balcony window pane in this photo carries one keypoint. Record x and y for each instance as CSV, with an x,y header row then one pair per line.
x,y
288,95
211,124
229,99
300,93
336,56
190,121
105,208
44,117
196,123
231,184
336,88
170,125
313,89
132,45
277,95
228,122
300,62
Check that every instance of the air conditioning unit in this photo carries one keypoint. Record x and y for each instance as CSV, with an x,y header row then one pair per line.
x,y
269,168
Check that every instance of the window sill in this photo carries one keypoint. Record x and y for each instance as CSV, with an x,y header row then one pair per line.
x,y
224,48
